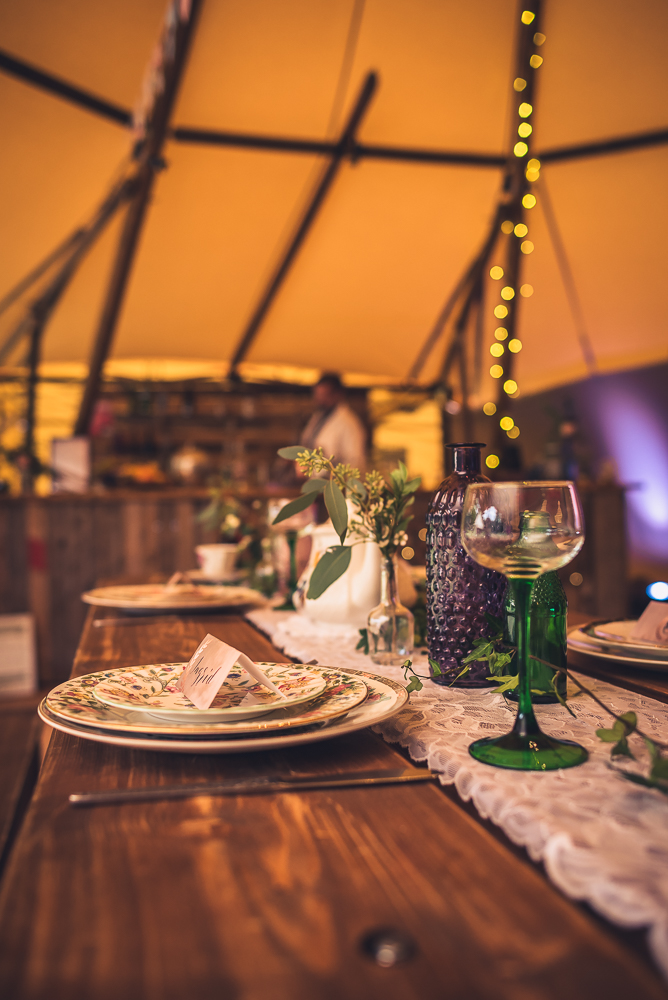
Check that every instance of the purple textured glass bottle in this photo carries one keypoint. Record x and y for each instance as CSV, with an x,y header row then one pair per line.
x,y
459,590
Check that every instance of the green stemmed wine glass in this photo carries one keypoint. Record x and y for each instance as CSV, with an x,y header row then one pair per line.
x,y
497,532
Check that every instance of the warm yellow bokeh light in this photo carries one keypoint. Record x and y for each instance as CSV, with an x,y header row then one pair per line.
x,y
519,84
520,149
510,386
507,293
535,62
507,227
533,164
496,272
505,423
500,311
422,534
489,409
524,110
496,350
526,247
500,333
524,129
527,16
529,200
538,38
515,346
407,552
496,371
514,432
521,229
526,291
492,461
532,175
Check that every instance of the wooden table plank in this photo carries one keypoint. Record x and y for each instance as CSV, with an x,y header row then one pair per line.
x,y
269,897
19,728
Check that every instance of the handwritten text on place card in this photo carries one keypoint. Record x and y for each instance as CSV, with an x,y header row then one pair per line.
x,y
208,668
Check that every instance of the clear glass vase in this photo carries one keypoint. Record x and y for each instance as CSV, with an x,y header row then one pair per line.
x,y
390,625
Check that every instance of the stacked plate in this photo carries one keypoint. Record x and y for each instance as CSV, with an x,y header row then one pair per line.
x,y
142,707
611,640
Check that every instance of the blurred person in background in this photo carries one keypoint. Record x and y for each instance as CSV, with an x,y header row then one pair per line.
x,y
334,426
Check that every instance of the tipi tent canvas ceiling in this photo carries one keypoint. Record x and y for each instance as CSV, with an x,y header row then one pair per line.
x,y
392,237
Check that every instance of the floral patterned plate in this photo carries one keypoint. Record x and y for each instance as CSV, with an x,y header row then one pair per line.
x,y
75,701
154,689
155,596
385,699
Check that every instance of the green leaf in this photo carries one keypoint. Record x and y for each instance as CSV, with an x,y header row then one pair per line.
x,y
358,488
415,684
412,486
294,507
479,653
292,452
335,502
493,621
314,485
363,644
609,735
506,683
630,721
331,565
622,749
402,470
659,768
435,668
461,673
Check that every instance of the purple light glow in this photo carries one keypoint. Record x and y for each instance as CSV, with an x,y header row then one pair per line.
x,y
638,442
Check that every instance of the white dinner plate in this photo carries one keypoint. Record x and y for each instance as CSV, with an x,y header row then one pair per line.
x,y
154,688
580,642
385,698
615,636
155,596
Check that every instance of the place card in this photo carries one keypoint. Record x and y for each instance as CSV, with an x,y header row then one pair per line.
x,y
209,666
652,626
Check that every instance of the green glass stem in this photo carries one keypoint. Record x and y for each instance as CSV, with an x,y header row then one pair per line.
x,y
525,721
526,747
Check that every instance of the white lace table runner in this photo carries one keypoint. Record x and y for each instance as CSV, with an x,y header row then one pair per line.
x,y
601,838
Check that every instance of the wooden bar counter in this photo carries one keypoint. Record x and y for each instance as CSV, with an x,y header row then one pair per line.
x,y
271,897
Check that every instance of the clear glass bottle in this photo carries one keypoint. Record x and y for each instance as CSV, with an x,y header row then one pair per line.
x,y
547,628
390,625
459,590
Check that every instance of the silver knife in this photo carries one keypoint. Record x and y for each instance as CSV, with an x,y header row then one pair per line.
x,y
264,785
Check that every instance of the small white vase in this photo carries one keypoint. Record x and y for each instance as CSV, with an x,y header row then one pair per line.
x,y
217,561
349,599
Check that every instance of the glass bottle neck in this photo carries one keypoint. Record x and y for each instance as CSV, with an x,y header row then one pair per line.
x,y
466,458
388,582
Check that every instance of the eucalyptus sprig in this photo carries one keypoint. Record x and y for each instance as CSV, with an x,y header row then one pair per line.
x,y
380,509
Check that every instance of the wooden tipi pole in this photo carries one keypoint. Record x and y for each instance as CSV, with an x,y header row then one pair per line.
x,y
150,161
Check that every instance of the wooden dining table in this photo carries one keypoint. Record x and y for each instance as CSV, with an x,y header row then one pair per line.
x,y
282,896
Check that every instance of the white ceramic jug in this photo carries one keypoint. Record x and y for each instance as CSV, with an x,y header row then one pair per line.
x,y
349,600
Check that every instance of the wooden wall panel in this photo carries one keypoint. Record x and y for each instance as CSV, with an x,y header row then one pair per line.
x,y
13,563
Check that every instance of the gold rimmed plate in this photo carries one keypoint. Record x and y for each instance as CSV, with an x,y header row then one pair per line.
x,y
154,689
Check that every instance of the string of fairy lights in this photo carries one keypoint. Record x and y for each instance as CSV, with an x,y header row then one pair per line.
x,y
504,344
